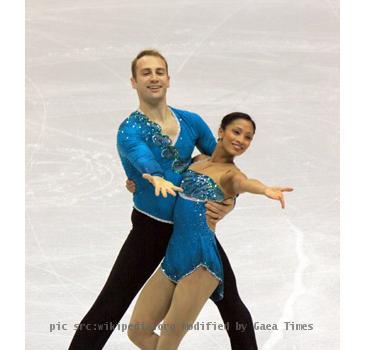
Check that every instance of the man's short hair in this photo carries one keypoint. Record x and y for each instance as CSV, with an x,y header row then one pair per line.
x,y
148,52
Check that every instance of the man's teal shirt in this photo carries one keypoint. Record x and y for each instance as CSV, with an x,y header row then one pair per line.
x,y
140,155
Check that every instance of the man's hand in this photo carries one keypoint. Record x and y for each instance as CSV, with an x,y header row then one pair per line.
x,y
131,186
162,186
216,211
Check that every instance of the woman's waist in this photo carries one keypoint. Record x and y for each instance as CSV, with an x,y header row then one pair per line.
x,y
191,197
190,214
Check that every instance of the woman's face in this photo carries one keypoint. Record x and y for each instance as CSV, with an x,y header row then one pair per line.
x,y
237,136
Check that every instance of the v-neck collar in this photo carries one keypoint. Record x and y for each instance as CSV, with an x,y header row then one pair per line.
x,y
176,138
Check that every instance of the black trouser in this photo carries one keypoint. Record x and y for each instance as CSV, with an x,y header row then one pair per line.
x,y
140,255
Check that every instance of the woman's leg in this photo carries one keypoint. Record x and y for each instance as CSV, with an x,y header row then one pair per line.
x,y
234,313
150,309
190,295
139,257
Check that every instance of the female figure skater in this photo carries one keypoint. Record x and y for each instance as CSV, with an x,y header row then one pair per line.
x,y
192,270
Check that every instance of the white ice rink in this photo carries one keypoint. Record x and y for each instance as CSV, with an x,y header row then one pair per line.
x,y
277,60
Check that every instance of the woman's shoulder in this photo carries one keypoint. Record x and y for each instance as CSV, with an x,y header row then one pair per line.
x,y
234,171
199,158
228,179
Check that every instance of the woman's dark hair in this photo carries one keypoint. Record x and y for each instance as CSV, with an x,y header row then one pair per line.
x,y
229,118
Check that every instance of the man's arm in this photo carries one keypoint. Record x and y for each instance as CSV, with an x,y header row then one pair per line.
x,y
206,142
131,145
162,186
216,211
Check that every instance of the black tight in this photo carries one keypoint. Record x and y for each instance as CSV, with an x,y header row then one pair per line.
x,y
141,253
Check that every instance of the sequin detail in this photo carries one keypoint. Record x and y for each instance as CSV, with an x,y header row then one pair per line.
x,y
193,243
201,187
151,132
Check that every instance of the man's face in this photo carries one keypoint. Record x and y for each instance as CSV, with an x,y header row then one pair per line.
x,y
151,81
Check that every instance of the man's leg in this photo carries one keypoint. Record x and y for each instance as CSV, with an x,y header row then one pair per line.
x,y
140,255
234,311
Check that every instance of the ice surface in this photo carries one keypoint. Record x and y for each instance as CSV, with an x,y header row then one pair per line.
x,y
277,60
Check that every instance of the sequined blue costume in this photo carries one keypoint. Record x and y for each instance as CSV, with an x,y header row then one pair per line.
x,y
193,243
144,149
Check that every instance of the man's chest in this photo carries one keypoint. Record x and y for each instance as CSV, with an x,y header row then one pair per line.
x,y
170,128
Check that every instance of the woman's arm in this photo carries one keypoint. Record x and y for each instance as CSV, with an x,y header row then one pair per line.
x,y
241,184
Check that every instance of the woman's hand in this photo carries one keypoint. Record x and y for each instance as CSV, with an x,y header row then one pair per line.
x,y
277,193
162,186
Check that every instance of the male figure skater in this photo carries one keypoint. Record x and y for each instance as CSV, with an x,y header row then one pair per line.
x,y
159,140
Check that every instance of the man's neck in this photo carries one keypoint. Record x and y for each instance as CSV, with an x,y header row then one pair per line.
x,y
158,113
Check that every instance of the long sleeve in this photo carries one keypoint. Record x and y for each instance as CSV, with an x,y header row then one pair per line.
x,y
206,142
139,154
132,146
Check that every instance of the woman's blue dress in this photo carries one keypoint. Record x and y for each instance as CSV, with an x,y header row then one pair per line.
x,y
193,243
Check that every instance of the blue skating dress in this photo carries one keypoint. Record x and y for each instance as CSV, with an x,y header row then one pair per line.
x,y
193,243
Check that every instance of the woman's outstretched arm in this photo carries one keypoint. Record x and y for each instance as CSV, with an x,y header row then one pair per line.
x,y
240,184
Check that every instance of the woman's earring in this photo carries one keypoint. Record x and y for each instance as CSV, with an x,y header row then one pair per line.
x,y
219,139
